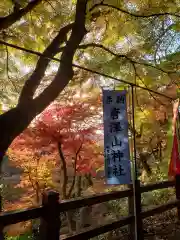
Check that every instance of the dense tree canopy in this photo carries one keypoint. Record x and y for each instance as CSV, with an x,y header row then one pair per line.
x,y
67,136
134,40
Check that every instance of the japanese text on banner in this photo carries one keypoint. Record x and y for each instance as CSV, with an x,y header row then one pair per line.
x,y
116,144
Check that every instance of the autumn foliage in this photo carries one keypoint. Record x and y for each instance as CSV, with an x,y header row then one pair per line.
x,y
68,136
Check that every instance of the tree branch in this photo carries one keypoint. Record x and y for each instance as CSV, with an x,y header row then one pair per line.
x,y
93,45
30,178
160,40
7,70
10,126
65,71
6,22
137,75
161,35
132,14
143,156
93,71
84,46
34,80
74,177
64,168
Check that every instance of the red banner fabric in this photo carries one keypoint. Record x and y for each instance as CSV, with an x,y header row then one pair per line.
x,y
174,165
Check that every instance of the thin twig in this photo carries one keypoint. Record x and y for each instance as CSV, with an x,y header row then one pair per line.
x,y
51,6
64,168
133,14
8,21
84,46
160,40
75,167
7,70
90,70
160,102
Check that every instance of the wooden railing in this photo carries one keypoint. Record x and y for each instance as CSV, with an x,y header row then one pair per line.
x,y
49,212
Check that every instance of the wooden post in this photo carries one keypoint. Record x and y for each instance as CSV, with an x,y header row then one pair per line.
x,y
131,212
50,221
177,187
138,221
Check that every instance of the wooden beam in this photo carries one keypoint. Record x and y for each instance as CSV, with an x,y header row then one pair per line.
x,y
91,200
13,217
160,209
156,186
93,232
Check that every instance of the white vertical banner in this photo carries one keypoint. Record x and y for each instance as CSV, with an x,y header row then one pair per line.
x,y
116,144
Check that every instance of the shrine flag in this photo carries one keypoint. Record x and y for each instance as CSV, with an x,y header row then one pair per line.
x,y
116,144
174,165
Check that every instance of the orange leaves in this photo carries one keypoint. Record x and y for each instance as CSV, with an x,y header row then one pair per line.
x,y
73,126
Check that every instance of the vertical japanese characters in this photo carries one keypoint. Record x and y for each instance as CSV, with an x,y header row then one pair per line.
x,y
116,145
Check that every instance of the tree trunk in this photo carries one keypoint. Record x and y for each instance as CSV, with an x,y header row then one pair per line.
x,y
78,186
89,180
13,122
7,21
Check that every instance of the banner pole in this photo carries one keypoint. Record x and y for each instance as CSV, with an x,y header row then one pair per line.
x,y
134,135
136,182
